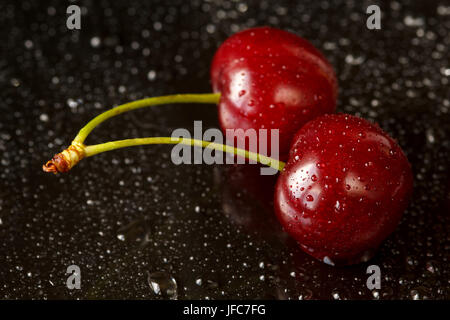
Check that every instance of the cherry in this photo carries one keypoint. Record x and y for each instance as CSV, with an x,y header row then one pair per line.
x,y
343,189
271,79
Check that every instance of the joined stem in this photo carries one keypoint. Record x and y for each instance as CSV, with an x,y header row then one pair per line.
x,y
65,160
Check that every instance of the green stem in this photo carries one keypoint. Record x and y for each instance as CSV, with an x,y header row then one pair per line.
x,y
64,161
176,98
108,146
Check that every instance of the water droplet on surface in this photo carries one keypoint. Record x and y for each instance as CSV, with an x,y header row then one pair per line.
x,y
430,136
151,75
350,59
376,294
43,117
210,28
415,295
95,42
157,26
15,82
413,22
306,294
328,261
72,103
211,284
335,295
387,292
430,267
28,44
163,284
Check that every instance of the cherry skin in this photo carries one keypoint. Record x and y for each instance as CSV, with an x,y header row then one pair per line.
x,y
343,189
271,79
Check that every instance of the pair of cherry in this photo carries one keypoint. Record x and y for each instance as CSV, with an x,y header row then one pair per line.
x,y
346,183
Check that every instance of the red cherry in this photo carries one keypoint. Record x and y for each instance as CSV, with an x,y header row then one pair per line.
x,y
343,189
271,79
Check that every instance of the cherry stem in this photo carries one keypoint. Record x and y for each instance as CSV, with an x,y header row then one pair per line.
x,y
65,160
148,102
112,145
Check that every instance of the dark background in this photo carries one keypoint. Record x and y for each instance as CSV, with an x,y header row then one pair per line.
x,y
123,215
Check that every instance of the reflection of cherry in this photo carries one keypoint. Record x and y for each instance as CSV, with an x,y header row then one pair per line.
x,y
343,189
271,79
247,199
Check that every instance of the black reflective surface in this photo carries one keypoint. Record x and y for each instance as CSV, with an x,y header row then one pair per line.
x,y
131,219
